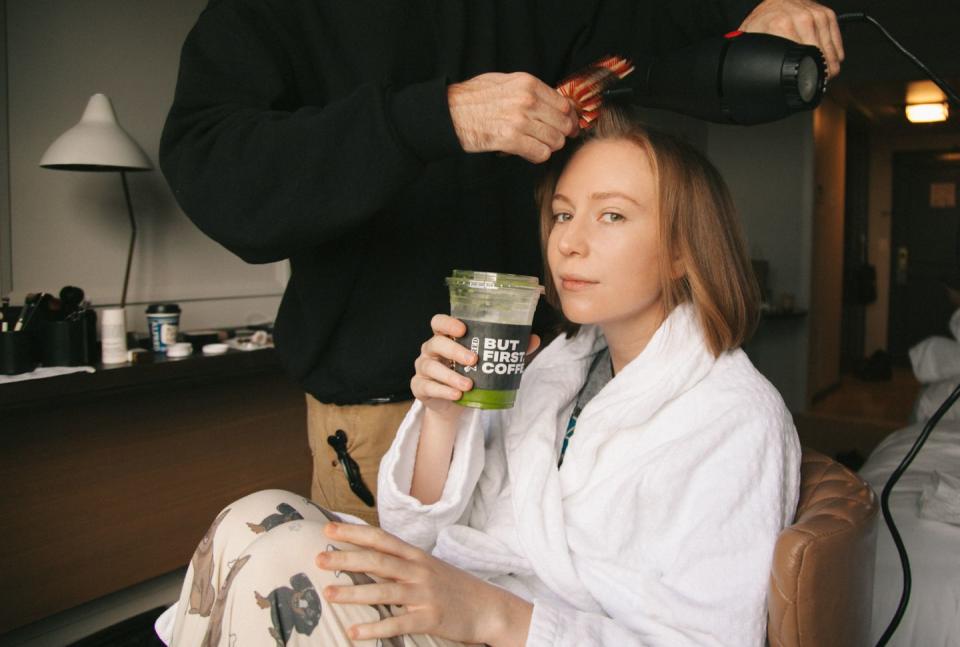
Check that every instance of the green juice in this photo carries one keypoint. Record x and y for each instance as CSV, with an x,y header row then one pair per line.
x,y
497,310
488,399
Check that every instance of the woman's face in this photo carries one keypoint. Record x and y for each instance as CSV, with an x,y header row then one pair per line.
x,y
604,248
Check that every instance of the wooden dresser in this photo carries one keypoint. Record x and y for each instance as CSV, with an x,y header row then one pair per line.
x,y
110,479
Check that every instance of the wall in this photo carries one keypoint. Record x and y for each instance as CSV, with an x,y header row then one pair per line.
x,y
71,227
769,169
5,278
826,280
883,145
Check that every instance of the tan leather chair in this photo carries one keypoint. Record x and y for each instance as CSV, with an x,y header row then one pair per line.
x,y
821,584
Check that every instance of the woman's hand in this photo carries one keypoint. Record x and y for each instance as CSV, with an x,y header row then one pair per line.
x,y
436,384
438,387
438,599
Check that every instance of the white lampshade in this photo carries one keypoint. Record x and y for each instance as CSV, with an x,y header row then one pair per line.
x,y
96,143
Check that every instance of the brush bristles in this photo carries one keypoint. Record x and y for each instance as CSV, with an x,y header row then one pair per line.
x,y
586,87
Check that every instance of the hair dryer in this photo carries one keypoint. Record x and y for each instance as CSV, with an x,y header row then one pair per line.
x,y
741,78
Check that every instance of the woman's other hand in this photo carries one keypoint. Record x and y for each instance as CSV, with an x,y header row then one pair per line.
x,y
437,599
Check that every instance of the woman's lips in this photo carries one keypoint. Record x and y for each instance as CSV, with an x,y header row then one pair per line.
x,y
574,284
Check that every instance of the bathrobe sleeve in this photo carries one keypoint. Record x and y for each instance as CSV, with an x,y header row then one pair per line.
x,y
405,516
693,567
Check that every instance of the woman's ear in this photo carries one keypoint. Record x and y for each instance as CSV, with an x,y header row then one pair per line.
x,y
678,269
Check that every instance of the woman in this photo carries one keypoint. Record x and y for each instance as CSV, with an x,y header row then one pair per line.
x,y
632,496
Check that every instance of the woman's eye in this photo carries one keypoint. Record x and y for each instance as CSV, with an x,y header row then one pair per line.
x,y
562,217
610,216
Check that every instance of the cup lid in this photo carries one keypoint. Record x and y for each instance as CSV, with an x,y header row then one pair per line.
x,y
493,280
163,308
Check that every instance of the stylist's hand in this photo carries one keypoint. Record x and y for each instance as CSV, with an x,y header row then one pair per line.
x,y
438,599
802,21
511,113
436,384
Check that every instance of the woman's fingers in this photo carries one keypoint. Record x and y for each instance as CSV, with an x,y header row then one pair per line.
x,y
442,373
370,537
442,324
381,593
401,625
444,348
435,378
372,562
533,345
425,389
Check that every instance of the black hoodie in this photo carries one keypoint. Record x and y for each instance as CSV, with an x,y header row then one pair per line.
x,y
318,131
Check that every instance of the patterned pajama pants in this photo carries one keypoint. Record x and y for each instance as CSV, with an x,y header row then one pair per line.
x,y
252,581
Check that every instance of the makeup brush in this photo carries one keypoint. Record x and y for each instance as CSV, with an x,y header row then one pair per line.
x,y
30,306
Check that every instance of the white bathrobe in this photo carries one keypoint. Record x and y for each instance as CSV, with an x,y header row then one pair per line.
x,y
659,528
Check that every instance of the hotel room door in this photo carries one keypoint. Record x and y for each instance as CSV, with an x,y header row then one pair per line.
x,y
925,247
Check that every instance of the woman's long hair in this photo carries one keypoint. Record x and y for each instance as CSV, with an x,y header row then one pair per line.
x,y
698,226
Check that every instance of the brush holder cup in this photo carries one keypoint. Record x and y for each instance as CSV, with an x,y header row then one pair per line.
x,y
17,353
69,343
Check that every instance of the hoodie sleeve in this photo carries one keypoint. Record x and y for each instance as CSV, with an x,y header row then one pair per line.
x,y
267,177
405,516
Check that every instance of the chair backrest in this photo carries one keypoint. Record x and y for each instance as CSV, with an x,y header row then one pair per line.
x,y
821,584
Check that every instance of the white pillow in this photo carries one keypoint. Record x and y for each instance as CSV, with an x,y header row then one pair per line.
x,y
931,397
936,359
955,324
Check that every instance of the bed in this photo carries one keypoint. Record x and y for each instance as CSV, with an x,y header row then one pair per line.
x,y
932,618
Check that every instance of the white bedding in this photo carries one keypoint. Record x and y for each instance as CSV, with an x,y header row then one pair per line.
x,y
932,618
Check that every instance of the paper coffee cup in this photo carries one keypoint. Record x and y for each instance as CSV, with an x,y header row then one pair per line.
x,y
163,322
113,336
498,312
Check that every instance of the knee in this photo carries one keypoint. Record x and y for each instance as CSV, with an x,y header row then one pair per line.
x,y
264,500
266,509
292,545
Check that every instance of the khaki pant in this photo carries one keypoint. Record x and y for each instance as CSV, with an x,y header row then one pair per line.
x,y
370,429
253,581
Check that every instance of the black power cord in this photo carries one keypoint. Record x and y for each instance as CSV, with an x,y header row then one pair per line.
x,y
932,422
862,17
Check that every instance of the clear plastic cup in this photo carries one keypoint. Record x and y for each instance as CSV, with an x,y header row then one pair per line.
x,y
498,312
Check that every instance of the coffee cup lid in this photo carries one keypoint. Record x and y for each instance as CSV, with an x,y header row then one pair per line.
x,y
493,280
163,308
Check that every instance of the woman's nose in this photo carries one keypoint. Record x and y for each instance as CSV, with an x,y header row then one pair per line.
x,y
573,239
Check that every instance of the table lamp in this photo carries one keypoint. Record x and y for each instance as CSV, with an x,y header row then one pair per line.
x,y
98,143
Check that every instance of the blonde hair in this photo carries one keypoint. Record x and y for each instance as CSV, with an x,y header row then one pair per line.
x,y
698,226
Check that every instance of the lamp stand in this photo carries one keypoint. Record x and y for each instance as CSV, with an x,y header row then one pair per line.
x,y
133,238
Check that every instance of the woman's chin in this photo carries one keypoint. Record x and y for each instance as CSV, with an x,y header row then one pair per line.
x,y
579,318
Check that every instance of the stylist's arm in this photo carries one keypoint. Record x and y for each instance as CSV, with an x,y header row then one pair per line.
x,y
511,113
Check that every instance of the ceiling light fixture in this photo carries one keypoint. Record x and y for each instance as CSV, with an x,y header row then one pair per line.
x,y
925,113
